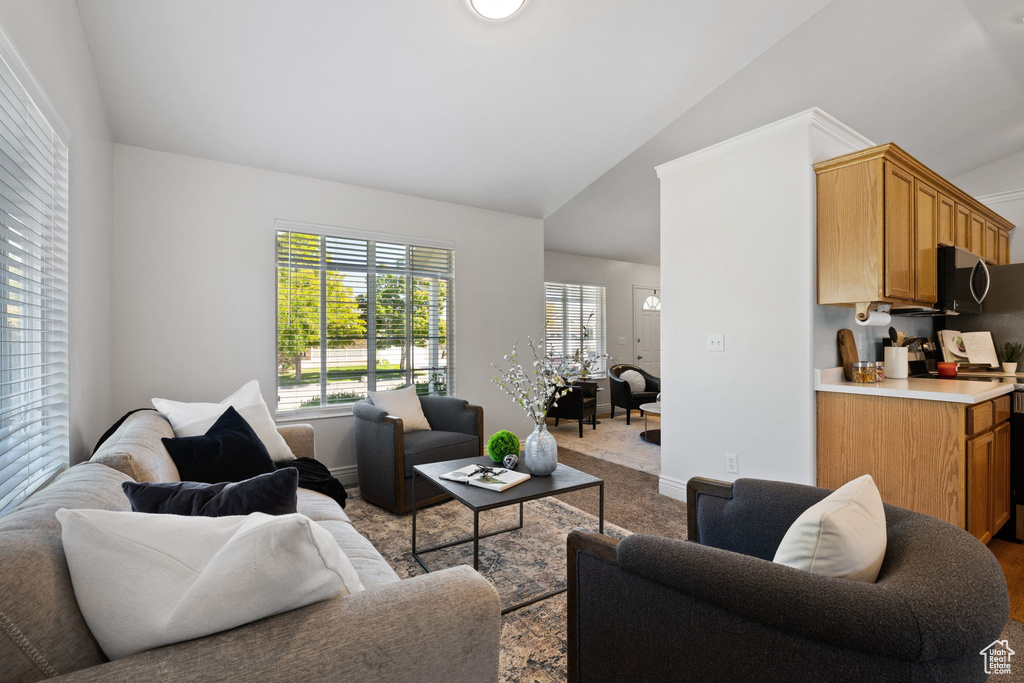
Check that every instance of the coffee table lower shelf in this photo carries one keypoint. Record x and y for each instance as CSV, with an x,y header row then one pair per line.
x,y
477,536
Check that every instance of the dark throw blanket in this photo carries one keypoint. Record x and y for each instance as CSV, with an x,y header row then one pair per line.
x,y
313,474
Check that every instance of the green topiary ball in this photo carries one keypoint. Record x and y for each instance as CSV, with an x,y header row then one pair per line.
x,y
501,444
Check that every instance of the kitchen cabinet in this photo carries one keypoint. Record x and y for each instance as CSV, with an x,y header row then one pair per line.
x,y
977,234
946,459
1004,248
946,221
900,242
991,250
881,217
962,227
926,217
979,482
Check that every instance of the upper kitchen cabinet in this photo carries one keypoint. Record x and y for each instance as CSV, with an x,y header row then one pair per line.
x,y
881,216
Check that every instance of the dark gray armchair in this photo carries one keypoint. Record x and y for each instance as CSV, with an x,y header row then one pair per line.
x,y
386,454
717,608
622,394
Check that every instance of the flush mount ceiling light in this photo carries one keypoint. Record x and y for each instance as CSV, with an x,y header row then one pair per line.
x,y
496,9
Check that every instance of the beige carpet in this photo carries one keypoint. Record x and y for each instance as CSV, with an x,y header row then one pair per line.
x,y
613,441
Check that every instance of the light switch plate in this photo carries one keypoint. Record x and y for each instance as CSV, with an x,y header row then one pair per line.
x,y
622,340
716,342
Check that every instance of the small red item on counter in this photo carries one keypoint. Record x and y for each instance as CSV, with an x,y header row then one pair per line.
x,y
946,369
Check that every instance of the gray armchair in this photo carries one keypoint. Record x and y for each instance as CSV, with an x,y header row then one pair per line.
x,y
386,454
716,608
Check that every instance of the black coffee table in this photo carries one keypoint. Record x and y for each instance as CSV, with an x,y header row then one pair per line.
x,y
562,480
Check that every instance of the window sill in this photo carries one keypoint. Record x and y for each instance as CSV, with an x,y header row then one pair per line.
x,y
313,414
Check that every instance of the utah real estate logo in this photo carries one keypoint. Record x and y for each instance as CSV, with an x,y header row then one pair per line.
x,y
997,657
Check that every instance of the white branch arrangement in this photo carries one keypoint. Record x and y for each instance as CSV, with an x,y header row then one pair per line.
x,y
537,390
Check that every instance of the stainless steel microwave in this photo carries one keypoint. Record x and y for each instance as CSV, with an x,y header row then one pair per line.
x,y
963,284
963,281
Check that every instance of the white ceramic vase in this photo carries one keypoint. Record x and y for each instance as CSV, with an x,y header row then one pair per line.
x,y
1009,368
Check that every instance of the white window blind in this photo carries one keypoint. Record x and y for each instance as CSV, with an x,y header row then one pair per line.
x,y
357,315
574,319
34,441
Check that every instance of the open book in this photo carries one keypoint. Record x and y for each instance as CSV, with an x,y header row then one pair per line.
x,y
494,478
968,347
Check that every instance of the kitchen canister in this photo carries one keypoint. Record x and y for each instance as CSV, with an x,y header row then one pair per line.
x,y
896,362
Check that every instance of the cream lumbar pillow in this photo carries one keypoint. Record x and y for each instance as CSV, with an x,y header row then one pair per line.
x,y
403,403
636,381
143,581
843,535
194,419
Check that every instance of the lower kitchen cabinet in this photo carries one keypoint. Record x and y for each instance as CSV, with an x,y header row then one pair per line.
x,y
949,460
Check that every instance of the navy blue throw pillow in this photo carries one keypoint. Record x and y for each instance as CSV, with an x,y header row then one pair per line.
x,y
229,451
274,493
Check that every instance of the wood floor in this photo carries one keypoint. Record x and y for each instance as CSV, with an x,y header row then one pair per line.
x,y
1011,558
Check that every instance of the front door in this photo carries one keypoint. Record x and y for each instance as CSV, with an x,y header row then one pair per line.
x,y
647,329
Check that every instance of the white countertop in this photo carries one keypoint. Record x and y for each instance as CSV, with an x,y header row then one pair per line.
x,y
923,388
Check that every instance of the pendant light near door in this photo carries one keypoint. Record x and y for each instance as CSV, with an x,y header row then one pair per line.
x,y
496,9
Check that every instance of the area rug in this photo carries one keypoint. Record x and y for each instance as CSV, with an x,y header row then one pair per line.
x,y
613,441
521,564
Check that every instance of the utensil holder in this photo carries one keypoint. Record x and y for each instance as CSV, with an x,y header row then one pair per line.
x,y
896,362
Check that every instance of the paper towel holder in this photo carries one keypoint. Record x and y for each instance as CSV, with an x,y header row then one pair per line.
x,y
864,309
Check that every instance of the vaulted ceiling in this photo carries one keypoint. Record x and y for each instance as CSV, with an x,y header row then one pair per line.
x,y
560,112
422,97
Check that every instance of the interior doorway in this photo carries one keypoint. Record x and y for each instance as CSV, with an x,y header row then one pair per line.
x,y
647,328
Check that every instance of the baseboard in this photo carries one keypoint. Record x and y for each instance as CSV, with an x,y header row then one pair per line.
x,y
672,487
347,475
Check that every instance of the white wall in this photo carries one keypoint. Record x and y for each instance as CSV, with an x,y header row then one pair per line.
x,y
738,227
194,281
618,277
1003,176
49,38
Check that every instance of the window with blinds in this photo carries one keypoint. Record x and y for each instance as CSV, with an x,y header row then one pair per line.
x,y
356,315
34,433
574,319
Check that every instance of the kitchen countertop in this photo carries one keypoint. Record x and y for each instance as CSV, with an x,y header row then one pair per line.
x,y
923,388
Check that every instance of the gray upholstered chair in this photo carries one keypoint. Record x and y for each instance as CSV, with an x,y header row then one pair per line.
x,y
386,454
622,394
717,608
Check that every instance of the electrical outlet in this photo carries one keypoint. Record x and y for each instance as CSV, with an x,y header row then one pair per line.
x,y
622,340
732,463
716,342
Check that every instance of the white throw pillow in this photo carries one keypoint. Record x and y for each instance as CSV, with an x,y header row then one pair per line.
x,y
403,403
635,380
843,535
194,419
143,581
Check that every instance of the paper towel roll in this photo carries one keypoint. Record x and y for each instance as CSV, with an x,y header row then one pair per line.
x,y
875,319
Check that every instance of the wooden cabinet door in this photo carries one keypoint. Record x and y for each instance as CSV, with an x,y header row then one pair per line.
x,y
946,221
977,235
991,252
900,246
926,217
999,488
1004,247
962,227
979,481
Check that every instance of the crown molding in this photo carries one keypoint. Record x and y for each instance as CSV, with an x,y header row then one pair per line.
x,y
1001,197
809,118
9,54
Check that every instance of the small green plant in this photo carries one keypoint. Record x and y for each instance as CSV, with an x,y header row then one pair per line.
x,y
501,444
1011,352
